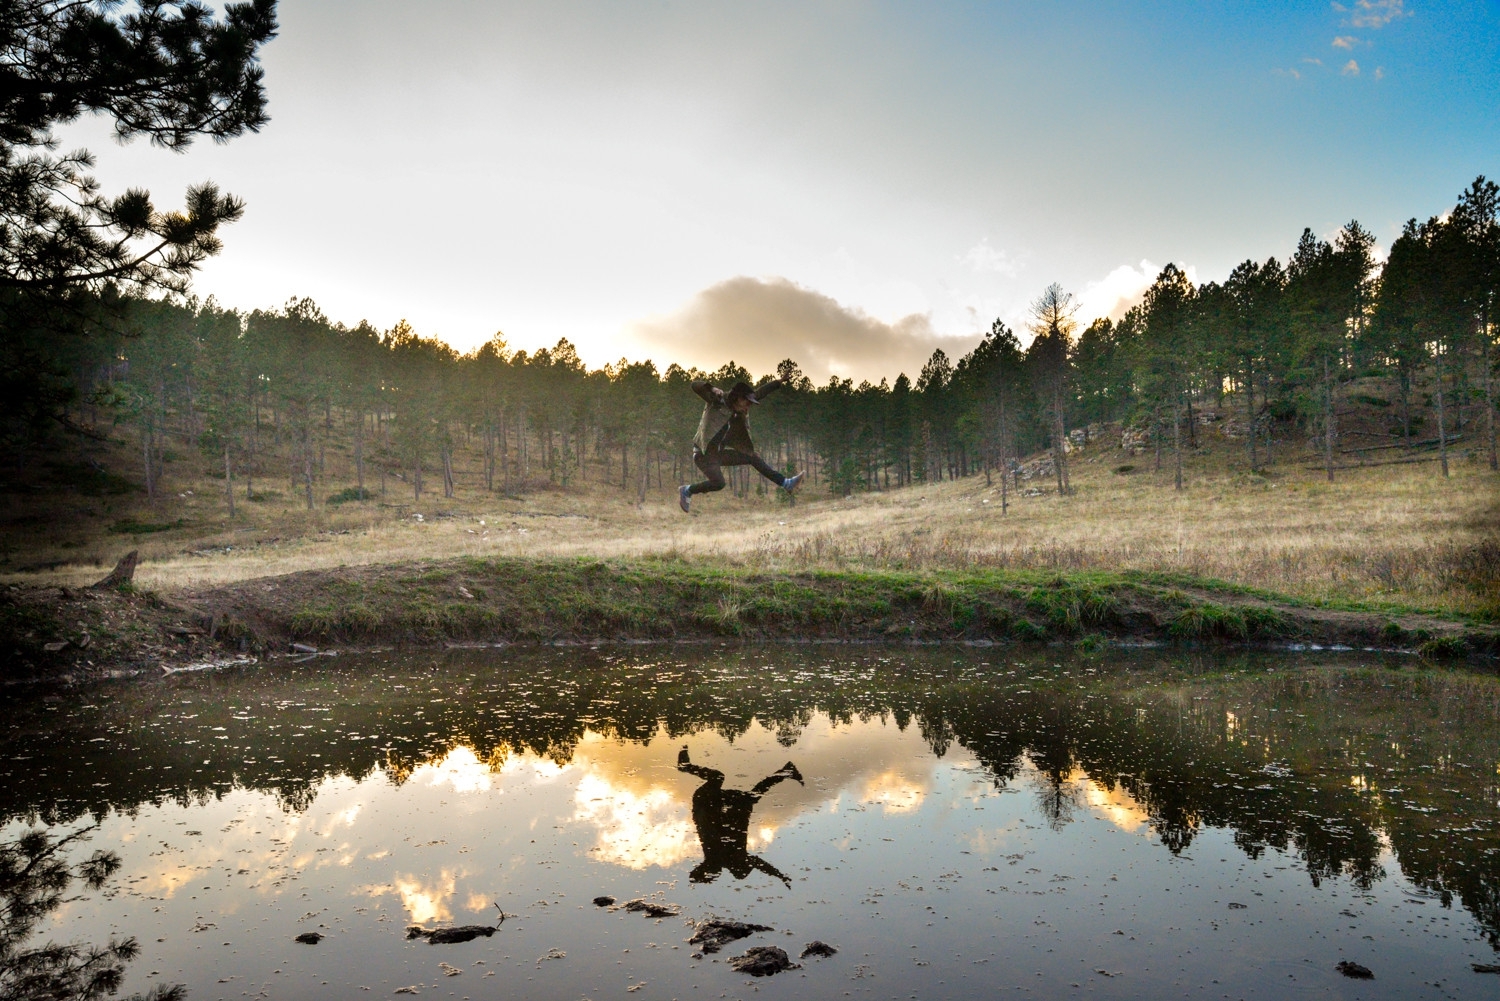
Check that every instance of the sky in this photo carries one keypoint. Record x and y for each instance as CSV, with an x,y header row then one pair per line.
x,y
848,184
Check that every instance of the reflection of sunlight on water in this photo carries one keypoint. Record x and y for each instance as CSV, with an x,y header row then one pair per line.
x,y
894,792
636,828
1116,806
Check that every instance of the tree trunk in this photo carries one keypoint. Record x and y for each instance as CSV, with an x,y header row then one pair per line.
x,y
1064,486
1328,428
1442,422
307,472
1406,406
1177,438
228,480
150,477
1250,410
359,456
1156,435
1489,391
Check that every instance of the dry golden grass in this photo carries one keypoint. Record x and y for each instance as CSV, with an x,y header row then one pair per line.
x,y
1396,533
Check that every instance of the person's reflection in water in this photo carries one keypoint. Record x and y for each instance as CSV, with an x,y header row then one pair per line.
x,y
722,817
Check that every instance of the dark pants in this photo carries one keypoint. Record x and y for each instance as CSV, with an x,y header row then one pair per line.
x,y
711,462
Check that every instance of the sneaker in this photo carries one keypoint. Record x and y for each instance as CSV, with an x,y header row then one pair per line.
x,y
790,483
684,497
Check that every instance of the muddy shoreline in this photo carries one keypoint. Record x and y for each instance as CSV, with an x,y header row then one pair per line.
x,y
51,633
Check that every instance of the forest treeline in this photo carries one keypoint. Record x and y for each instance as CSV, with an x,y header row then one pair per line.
x,y
267,395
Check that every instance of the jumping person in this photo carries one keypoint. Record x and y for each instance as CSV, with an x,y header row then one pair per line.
x,y
722,817
723,438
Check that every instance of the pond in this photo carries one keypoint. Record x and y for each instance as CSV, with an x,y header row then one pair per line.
x,y
954,822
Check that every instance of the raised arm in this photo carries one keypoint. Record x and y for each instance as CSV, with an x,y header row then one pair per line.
x,y
706,774
710,393
767,387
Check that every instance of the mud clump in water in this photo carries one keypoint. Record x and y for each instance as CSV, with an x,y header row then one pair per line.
x,y
310,938
714,933
822,950
603,901
450,936
1354,970
763,961
653,910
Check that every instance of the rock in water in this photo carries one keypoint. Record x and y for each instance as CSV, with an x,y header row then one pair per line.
x,y
603,901
763,961
1485,968
449,936
816,948
653,910
714,933
1354,970
310,938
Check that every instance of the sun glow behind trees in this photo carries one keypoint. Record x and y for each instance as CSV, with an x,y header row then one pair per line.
x,y
268,393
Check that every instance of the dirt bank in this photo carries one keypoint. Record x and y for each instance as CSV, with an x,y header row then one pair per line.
x,y
52,632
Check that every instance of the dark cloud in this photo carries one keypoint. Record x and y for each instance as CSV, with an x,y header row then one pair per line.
x,y
758,322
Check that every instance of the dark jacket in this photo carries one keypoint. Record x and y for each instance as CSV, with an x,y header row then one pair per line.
x,y
722,428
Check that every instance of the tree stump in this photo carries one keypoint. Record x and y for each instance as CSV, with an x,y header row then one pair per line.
x,y
123,573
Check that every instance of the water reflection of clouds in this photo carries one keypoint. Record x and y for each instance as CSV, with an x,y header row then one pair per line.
x,y
425,900
631,802
640,805
1114,805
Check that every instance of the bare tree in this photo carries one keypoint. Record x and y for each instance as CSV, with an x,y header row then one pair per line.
x,y
1053,324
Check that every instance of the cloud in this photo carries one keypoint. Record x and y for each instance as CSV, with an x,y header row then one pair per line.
x,y
1380,72
1345,42
1116,292
983,257
758,322
1287,72
1351,68
1309,60
1377,13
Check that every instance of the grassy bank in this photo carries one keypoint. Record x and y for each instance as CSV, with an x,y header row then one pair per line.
x,y
497,599
1397,534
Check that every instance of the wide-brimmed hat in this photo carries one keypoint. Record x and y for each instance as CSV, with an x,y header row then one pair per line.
x,y
741,389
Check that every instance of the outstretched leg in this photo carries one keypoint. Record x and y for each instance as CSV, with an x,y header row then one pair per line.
x,y
732,458
709,463
786,771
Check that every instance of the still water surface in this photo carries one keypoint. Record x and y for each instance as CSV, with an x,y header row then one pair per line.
x,y
968,823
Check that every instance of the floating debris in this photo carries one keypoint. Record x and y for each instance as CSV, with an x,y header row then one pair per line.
x,y
1485,968
603,901
715,932
763,961
449,970
653,910
1233,906
210,665
817,948
552,954
310,938
1354,970
450,936
413,989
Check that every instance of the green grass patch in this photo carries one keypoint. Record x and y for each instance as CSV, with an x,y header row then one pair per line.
x,y
545,599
